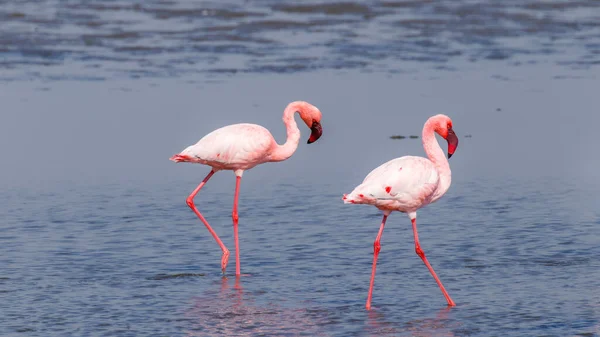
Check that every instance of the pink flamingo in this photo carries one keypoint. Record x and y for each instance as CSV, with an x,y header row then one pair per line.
x,y
408,183
240,147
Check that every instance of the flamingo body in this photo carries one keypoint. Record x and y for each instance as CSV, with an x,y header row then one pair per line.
x,y
233,147
403,184
406,184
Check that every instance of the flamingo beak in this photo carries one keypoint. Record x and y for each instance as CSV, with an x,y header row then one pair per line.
x,y
452,142
316,132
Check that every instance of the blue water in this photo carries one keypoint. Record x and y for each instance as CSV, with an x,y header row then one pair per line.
x,y
95,235
134,261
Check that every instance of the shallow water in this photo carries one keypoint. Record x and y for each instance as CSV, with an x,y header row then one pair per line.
x,y
96,238
131,260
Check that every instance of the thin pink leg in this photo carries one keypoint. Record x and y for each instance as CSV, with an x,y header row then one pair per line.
x,y
235,217
421,254
376,249
190,202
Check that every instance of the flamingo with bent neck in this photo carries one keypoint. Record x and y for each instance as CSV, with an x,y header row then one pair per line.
x,y
408,183
240,147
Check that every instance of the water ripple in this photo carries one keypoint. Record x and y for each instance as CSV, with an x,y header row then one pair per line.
x,y
57,40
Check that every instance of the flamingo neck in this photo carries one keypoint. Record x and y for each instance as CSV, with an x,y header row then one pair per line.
x,y
283,152
436,155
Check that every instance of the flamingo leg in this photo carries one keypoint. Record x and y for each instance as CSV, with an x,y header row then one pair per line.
x,y
376,249
190,203
421,254
235,217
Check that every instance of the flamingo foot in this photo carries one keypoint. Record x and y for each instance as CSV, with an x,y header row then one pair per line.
x,y
224,260
237,277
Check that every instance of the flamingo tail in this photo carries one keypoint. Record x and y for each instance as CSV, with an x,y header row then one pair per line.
x,y
180,158
360,195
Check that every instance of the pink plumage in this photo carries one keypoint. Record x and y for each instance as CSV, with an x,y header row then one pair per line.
x,y
232,147
240,147
408,183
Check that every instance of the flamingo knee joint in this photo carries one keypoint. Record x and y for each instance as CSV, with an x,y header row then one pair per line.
x,y
420,251
190,202
376,247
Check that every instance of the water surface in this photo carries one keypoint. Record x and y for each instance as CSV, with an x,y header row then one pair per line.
x,y
96,238
60,40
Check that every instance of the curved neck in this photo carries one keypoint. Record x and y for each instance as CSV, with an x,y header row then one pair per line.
x,y
437,157
283,152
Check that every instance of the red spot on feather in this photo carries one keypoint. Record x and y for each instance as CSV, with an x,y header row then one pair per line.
x,y
361,195
388,189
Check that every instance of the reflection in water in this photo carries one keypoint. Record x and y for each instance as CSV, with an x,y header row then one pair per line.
x,y
228,310
233,312
440,325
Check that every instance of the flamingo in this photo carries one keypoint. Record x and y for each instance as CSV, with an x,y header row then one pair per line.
x,y
408,183
240,147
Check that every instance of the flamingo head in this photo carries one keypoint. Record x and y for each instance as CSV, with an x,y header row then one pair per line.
x,y
444,129
311,115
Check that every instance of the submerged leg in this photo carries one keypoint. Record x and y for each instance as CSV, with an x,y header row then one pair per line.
x,y
234,215
190,202
421,254
376,249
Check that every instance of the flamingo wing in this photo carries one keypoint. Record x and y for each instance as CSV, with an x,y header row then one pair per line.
x,y
405,183
233,146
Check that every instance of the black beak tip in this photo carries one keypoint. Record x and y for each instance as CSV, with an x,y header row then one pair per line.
x,y
449,155
316,132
